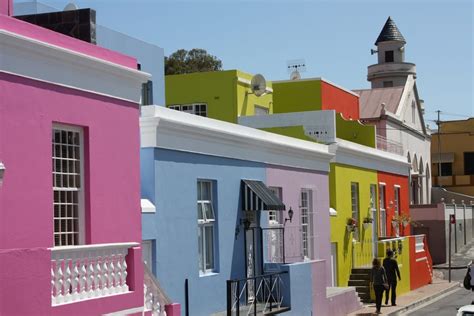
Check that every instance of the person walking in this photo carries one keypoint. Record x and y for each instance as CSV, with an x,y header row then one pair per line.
x,y
378,278
391,268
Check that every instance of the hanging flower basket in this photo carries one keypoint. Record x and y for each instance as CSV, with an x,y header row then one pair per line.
x,y
366,225
395,223
405,223
351,224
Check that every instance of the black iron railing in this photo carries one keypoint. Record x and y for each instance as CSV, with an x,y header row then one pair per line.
x,y
256,295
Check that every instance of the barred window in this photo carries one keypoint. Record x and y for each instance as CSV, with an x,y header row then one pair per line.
x,y
67,184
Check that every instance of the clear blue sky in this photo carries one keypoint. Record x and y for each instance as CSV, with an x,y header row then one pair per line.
x,y
334,37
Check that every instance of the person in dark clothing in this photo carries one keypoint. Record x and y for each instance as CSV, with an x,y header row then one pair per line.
x,y
391,268
378,278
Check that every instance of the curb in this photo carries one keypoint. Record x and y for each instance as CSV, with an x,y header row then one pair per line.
x,y
424,301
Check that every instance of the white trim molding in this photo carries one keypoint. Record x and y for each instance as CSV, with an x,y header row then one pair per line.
x,y
170,129
147,206
357,155
31,58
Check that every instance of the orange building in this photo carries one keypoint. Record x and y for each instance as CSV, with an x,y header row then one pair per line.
x,y
453,148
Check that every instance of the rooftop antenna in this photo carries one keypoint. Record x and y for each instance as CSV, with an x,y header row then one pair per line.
x,y
295,68
71,7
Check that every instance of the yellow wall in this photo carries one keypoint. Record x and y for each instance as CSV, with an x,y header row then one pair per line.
x,y
226,97
340,178
456,137
297,96
402,258
355,132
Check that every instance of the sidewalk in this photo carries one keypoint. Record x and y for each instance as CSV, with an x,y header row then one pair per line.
x,y
414,299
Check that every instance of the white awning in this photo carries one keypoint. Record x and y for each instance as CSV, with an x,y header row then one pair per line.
x,y
443,157
147,206
332,212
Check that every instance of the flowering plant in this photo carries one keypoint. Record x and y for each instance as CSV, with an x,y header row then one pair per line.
x,y
351,222
368,220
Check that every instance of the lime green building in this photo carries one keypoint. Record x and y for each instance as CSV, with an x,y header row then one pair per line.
x,y
222,95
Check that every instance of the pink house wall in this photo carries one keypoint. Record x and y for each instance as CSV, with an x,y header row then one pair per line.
x,y
28,110
292,181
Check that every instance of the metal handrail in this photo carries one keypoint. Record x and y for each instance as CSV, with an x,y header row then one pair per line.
x,y
251,293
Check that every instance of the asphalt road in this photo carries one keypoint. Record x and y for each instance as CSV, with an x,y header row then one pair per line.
x,y
448,305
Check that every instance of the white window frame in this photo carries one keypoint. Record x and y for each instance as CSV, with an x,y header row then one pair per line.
x,y
355,207
275,218
204,224
307,233
383,209
396,206
192,108
80,190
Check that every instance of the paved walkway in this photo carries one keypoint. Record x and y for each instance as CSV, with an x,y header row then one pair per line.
x,y
411,300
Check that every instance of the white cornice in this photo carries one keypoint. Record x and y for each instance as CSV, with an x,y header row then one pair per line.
x,y
357,155
42,61
170,129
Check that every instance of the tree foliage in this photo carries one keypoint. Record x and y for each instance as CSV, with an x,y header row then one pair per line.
x,y
195,60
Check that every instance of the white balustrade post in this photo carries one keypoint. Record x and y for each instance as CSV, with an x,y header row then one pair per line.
x,y
105,273
75,278
53,282
90,274
118,273
123,281
82,278
111,274
98,274
59,280
67,280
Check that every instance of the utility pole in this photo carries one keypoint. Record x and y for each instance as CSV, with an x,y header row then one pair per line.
x,y
438,123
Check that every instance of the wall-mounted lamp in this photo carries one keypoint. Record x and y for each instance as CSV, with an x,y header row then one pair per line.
x,y
2,172
246,223
290,215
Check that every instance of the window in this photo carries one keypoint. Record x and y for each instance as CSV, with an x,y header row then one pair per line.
x,y
396,206
383,214
355,204
373,196
469,163
389,56
260,110
388,84
306,211
206,222
147,93
276,217
446,168
195,108
67,152
147,253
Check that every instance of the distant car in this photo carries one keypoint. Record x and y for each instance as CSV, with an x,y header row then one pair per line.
x,y
466,310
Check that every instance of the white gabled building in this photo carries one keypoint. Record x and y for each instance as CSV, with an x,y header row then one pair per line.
x,y
395,108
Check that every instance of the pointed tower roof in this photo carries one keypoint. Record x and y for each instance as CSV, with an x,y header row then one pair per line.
x,y
390,32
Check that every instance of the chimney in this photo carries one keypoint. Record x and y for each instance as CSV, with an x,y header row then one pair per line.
x,y
6,7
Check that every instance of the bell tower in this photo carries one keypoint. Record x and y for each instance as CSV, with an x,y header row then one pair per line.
x,y
391,70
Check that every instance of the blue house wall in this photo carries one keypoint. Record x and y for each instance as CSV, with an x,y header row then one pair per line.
x,y
169,180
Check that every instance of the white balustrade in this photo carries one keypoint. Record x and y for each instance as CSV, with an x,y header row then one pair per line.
x,y
154,297
419,243
88,271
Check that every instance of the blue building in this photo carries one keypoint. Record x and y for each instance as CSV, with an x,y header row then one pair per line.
x,y
206,179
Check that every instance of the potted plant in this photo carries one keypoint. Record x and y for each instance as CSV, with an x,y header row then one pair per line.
x,y
351,224
367,221
395,221
405,219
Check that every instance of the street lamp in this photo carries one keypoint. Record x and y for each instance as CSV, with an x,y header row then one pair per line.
x,y
290,215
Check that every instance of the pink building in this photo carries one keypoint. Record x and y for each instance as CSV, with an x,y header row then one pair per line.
x,y
70,220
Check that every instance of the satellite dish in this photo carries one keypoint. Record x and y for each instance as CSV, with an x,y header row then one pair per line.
x,y
295,75
71,7
258,85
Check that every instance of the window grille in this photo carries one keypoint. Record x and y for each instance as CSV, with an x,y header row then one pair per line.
x,y
67,185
